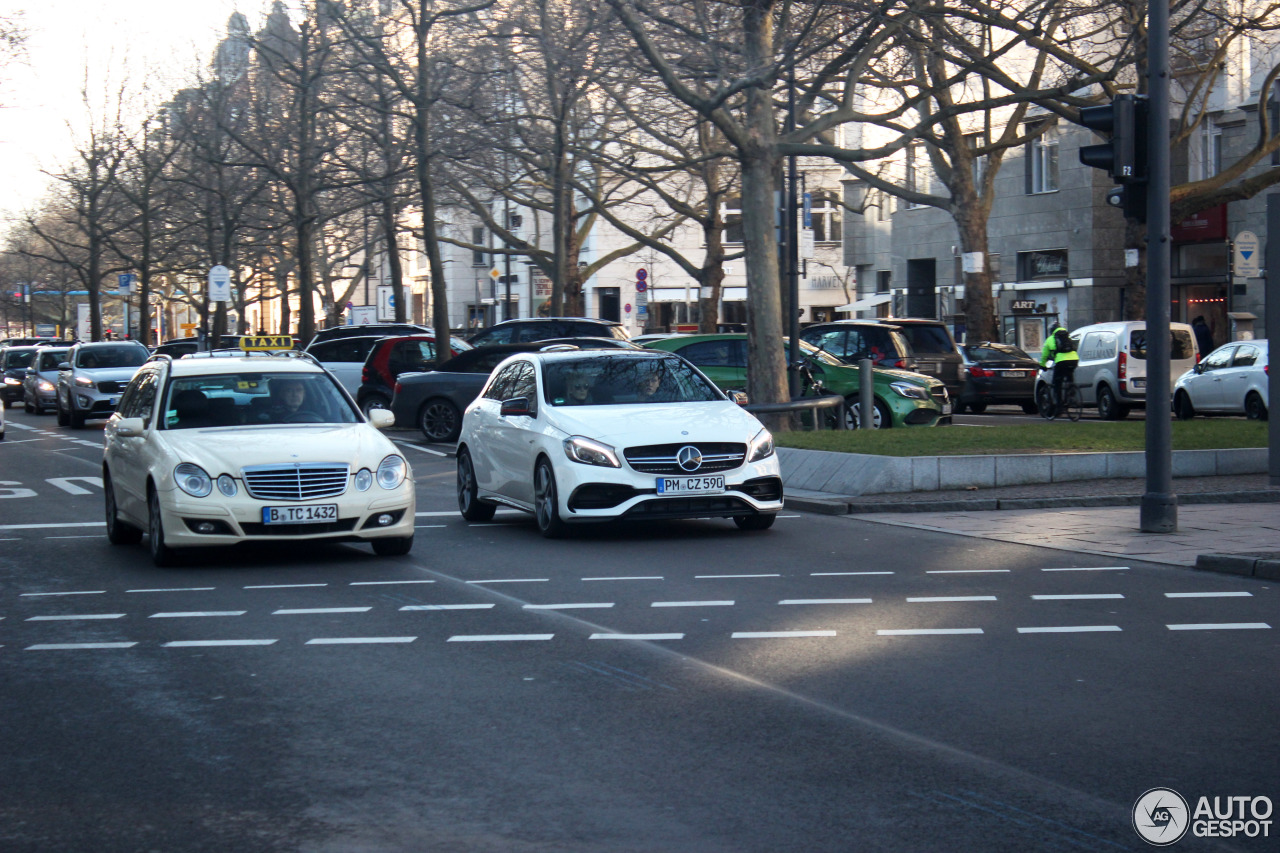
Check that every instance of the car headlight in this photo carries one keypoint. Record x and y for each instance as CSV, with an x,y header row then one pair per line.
x,y
11,380
44,385
84,381
193,480
761,446
914,392
579,448
391,472
363,479
227,485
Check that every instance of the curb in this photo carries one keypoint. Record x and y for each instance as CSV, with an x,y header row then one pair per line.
x,y
847,506
1263,566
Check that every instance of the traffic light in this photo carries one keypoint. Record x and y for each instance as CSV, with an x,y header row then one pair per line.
x,y
1124,157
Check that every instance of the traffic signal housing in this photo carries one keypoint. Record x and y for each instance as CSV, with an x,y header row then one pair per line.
x,y
1124,156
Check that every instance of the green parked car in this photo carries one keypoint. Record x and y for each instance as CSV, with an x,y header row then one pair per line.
x,y
903,398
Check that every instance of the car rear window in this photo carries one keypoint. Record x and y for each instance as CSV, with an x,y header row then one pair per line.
x,y
929,339
994,352
18,358
1181,347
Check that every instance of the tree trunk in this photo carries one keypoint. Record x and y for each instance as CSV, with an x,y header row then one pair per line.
x,y
979,303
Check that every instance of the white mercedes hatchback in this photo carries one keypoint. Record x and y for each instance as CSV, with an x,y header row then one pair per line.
x,y
587,436
222,449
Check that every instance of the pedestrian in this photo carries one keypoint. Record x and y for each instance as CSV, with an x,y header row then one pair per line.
x,y
1204,335
1059,353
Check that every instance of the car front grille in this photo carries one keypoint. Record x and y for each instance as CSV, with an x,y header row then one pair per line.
x,y
109,387
296,482
663,458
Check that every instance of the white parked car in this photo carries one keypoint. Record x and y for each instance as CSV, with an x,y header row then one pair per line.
x,y
582,436
218,450
1230,380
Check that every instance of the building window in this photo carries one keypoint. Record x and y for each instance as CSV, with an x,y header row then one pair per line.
x,y
731,215
884,278
824,216
1210,159
478,258
1273,110
976,141
884,206
917,173
1042,264
1042,162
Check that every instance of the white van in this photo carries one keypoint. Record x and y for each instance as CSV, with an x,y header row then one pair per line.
x,y
1112,373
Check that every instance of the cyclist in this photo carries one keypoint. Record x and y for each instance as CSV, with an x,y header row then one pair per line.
x,y
1056,354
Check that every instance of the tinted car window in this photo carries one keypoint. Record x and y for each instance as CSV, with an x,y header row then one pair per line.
x,y
1182,345
1246,356
342,350
928,339
50,359
709,353
15,358
500,335
994,352
503,383
624,381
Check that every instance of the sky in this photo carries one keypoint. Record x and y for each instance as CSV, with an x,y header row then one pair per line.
x,y
110,43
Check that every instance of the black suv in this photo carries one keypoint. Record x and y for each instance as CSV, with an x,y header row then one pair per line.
x,y
532,329
935,350
853,340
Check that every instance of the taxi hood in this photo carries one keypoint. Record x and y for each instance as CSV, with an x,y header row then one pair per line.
x,y
223,450
658,423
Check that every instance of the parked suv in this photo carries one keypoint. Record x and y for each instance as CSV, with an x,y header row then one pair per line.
x,y
40,385
390,357
93,377
1112,373
377,330
853,340
934,349
543,328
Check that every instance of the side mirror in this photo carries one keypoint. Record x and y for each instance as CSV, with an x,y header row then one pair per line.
x,y
382,418
130,427
739,397
1199,368
515,407
64,365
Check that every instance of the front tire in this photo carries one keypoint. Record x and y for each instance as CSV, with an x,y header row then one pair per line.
x,y
27,407
63,418
546,502
469,504
881,419
1108,408
1182,406
118,532
759,521
395,547
440,420
161,554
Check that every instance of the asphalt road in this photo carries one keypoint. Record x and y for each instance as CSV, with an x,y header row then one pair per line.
x,y
830,684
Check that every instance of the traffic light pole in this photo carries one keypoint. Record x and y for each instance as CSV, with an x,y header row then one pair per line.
x,y
1159,512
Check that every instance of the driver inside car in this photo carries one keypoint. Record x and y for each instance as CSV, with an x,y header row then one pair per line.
x,y
288,399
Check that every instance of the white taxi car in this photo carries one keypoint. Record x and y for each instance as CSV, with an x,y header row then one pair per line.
x,y
220,449
597,435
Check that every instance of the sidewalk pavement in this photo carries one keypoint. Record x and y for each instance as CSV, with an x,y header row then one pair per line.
x,y
1226,524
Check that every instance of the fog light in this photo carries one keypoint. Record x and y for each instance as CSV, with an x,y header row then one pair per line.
x,y
385,519
85,402
205,527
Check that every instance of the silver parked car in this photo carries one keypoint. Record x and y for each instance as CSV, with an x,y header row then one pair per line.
x,y
40,385
1231,380
93,377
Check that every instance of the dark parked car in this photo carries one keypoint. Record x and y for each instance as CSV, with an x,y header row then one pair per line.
x,y
934,349
393,356
853,340
379,330
544,328
178,347
997,373
434,401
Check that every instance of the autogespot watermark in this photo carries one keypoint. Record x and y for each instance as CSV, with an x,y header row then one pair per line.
x,y
1162,817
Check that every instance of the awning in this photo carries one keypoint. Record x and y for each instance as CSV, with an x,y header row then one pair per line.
x,y
868,303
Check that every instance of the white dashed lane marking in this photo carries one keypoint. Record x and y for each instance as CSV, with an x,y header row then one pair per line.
x,y
636,637
717,577
764,635
1090,596
385,583
1069,629
287,586
44,647
911,632
311,611
195,613
968,571
75,617
692,604
353,641
497,638
1091,569
80,592
636,578
844,574
199,644
447,607
1208,595
825,601
178,589
582,606
950,598
1219,626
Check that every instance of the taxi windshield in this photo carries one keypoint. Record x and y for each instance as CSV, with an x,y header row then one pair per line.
x,y
624,380
250,398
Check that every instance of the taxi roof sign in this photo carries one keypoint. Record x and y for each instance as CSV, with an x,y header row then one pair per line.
x,y
260,343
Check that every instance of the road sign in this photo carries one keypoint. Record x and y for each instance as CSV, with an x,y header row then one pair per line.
x,y
125,283
641,286
219,284
642,274
1248,260
627,308
188,327
386,303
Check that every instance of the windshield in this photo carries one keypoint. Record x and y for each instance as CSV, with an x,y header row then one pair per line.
x,y
625,381
929,339
236,399
50,359
126,355
15,358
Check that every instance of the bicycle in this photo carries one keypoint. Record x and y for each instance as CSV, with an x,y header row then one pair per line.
x,y
1051,407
